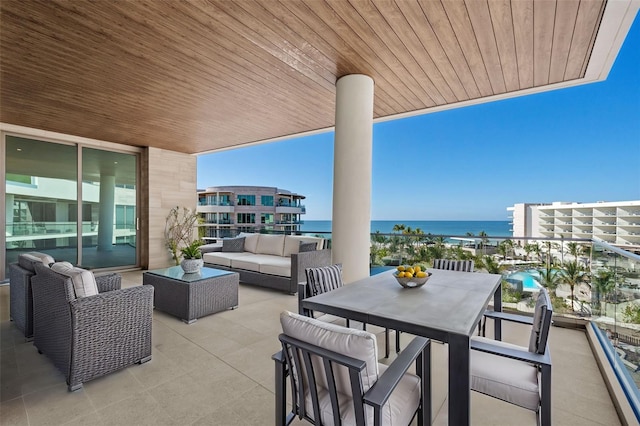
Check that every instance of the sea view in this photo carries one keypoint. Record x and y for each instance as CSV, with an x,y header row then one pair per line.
x,y
493,228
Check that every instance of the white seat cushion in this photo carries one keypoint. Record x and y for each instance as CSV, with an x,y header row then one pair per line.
x,y
84,283
507,379
250,262
276,265
399,410
222,259
270,244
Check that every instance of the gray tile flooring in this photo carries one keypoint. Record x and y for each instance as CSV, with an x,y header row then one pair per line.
x,y
218,371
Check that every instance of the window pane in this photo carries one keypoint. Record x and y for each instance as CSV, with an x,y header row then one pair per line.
x,y
109,202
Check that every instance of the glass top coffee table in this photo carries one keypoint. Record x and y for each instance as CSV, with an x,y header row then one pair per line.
x,y
192,296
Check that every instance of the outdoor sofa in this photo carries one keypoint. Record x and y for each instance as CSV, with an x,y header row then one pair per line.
x,y
266,260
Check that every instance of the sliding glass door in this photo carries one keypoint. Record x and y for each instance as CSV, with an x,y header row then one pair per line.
x,y
41,203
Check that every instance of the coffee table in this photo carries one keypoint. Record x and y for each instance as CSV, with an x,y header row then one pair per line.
x,y
192,296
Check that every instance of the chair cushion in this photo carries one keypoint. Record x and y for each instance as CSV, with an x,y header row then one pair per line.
x,y
507,379
26,260
270,244
233,245
323,279
355,343
399,410
84,283
250,242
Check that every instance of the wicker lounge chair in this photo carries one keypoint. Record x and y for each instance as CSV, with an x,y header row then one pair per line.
x,y
91,336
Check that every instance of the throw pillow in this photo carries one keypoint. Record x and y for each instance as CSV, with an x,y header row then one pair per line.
x,y
307,247
323,279
26,260
84,283
233,245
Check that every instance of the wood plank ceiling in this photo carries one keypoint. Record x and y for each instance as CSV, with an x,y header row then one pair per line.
x,y
194,76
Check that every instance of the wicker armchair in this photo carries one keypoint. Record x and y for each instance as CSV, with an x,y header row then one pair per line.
x,y
91,336
21,298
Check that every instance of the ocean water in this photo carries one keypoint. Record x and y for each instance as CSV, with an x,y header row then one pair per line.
x,y
493,228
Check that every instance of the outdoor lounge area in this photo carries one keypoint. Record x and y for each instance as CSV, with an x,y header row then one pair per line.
x,y
218,371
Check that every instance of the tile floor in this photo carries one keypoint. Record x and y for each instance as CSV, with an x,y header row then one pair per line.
x,y
218,371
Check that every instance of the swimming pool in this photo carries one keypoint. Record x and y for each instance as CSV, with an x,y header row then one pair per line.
x,y
528,279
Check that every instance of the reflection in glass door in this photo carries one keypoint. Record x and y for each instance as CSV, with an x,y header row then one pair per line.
x,y
109,185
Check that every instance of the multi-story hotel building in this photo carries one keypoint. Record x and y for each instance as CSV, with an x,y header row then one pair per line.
x,y
617,223
226,210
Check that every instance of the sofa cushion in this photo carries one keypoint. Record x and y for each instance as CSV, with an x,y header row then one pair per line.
x,y
305,247
233,245
292,243
26,260
276,265
270,244
250,242
222,259
84,283
251,262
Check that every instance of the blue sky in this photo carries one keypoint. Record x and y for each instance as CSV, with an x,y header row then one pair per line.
x,y
578,144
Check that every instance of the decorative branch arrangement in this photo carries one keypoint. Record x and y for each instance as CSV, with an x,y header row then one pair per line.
x,y
179,229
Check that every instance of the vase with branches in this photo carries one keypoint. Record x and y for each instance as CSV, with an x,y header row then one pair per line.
x,y
179,230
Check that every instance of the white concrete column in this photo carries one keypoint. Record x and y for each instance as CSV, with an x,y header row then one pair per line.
x,y
351,222
105,215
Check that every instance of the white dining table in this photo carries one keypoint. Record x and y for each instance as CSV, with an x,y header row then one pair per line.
x,y
448,308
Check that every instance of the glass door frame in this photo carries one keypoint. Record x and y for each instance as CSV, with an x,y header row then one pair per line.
x,y
79,143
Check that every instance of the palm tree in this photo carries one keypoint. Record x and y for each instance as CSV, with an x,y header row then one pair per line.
x,y
604,282
530,248
572,274
573,249
505,248
485,240
399,227
489,264
502,250
549,278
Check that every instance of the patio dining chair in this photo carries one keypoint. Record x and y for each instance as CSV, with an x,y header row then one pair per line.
x,y
454,265
335,378
516,374
321,280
